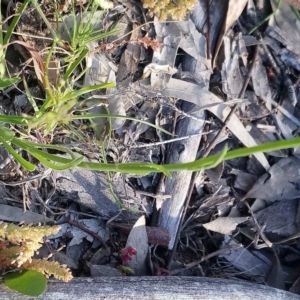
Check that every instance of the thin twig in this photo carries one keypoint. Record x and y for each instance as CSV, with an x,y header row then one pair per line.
x,y
153,195
206,257
208,33
83,228
285,112
137,28
259,230
241,95
288,239
170,141
29,179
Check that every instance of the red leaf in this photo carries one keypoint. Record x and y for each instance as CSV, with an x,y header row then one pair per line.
x,y
126,254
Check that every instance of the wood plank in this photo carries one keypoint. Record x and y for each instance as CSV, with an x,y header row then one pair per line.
x,y
149,288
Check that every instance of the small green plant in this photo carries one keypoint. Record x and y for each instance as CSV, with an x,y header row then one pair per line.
x,y
23,273
6,81
62,98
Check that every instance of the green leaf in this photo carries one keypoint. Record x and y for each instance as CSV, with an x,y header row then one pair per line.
x,y
71,164
27,145
87,89
74,65
43,156
6,133
27,165
6,82
31,283
14,119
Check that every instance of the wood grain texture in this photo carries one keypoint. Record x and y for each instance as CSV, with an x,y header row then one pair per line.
x,y
178,185
153,288
182,151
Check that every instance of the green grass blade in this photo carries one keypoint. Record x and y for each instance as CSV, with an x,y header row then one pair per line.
x,y
267,147
6,133
18,120
131,168
146,168
296,13
27,165
27,144
88,89
204,163
6,82
75,64
219,159
101,35
30,98
266,18
41,157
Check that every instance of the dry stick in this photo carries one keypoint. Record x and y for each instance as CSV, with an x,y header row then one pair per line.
x,y
259,230
206,153
170,141
288,239
155,215
137,28
83,228
263,237
241,95
29,179
268,243
186,205
208,30
206,257
152,195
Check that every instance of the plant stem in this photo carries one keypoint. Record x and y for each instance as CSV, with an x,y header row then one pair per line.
x,y
266,18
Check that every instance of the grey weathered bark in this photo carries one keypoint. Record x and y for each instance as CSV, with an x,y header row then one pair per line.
x,y
174,36
154,288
